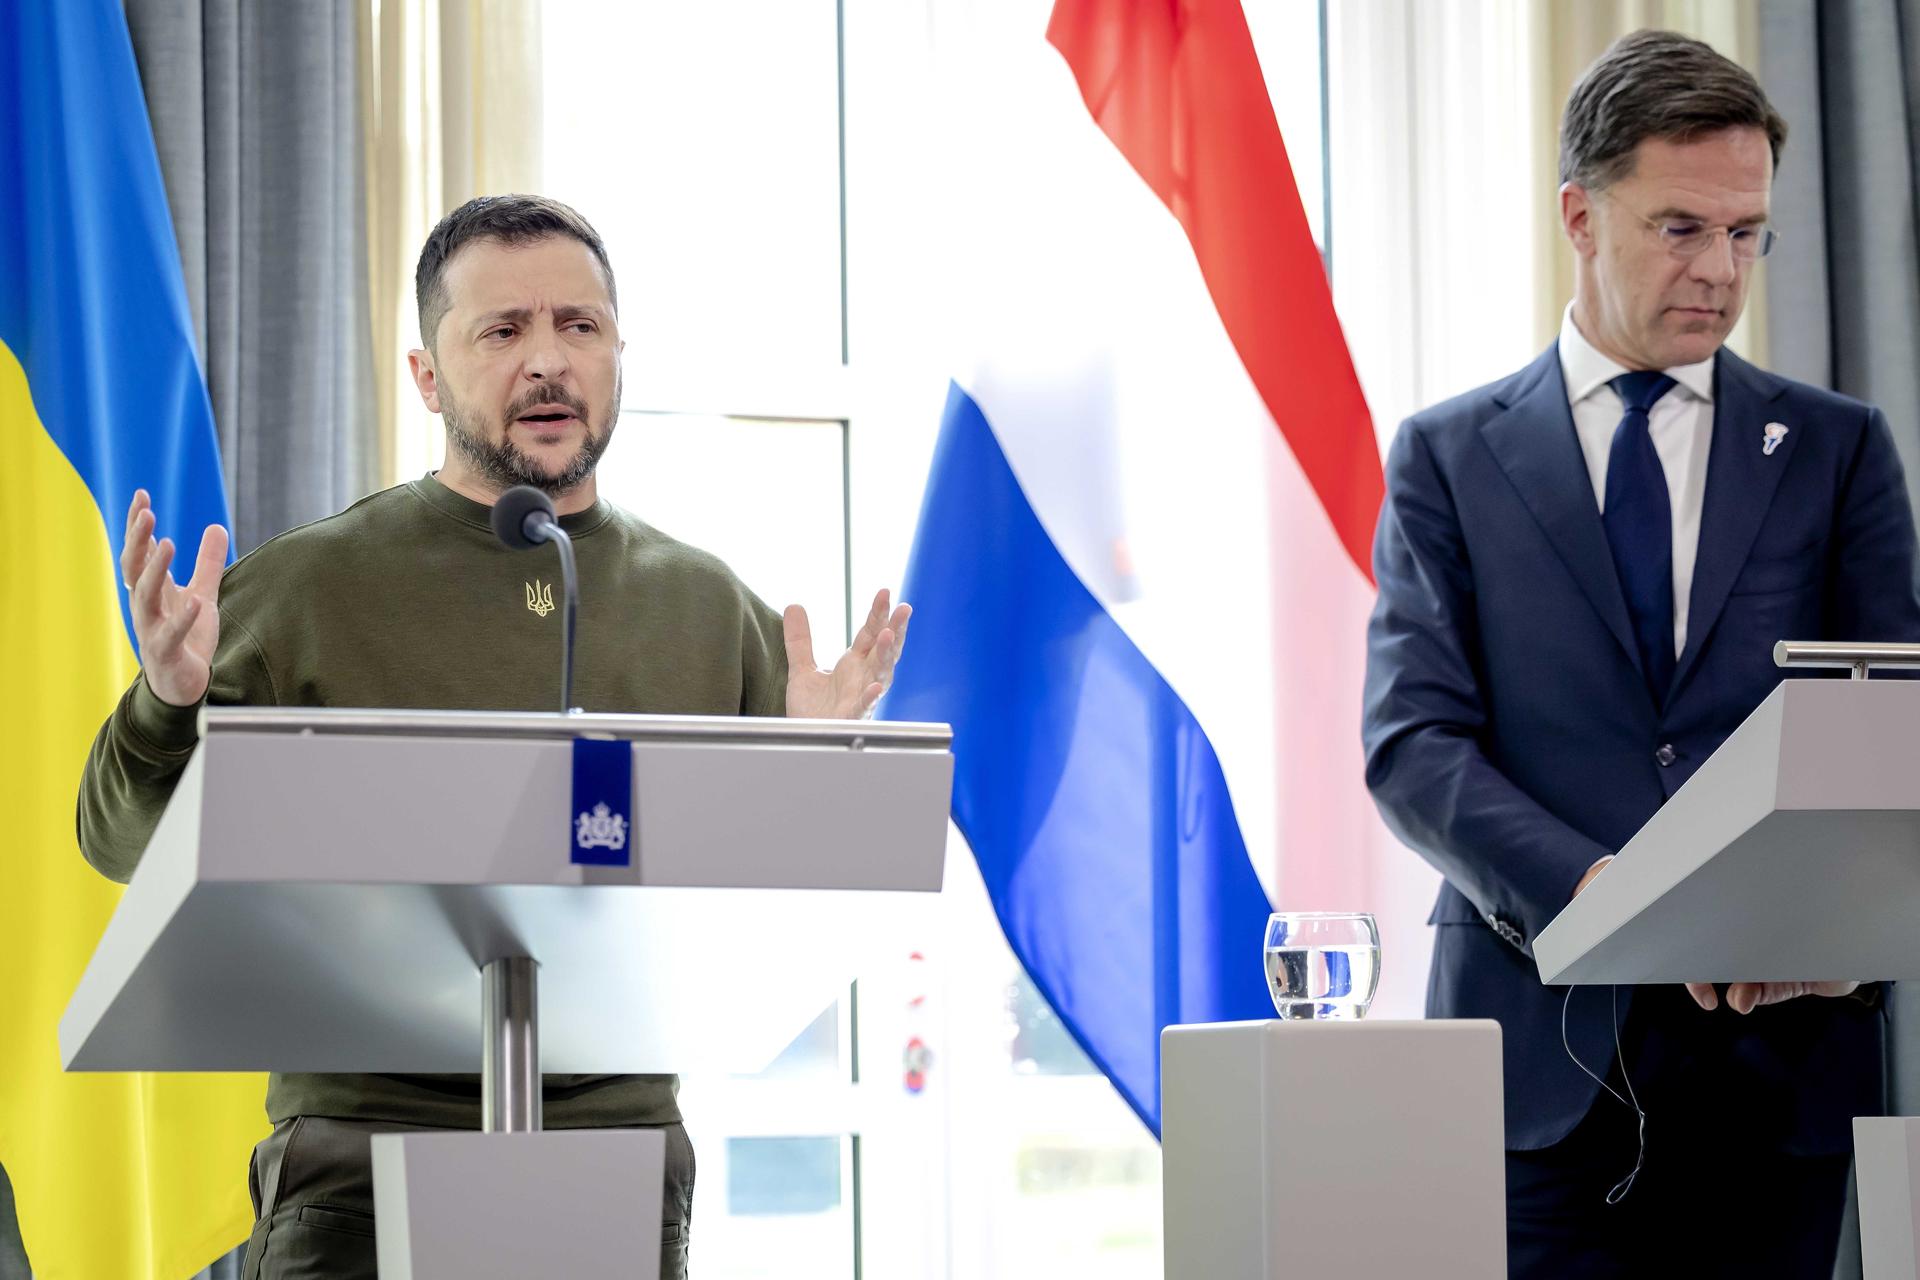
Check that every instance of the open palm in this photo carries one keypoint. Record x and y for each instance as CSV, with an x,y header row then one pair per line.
x,y
850,690
177,627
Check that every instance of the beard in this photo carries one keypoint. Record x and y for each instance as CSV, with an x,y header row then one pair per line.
x,y
502,464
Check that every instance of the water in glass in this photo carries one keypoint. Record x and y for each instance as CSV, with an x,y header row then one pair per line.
x,y
1322,965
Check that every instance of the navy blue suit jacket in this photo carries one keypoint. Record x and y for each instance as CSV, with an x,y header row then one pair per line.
x,y
1511,739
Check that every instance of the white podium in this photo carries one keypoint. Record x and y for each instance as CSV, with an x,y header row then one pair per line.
x,y
1286,1146
1793,853
326,889
1886,1154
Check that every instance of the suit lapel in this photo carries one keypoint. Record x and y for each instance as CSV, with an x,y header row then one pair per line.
x,y
1741,482
1534,442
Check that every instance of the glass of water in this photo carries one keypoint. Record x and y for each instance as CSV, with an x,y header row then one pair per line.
x,y
1322,964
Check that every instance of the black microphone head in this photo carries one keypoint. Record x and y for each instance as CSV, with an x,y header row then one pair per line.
x,y
511,516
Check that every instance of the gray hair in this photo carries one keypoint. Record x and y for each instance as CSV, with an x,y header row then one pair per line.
x,y
1656,84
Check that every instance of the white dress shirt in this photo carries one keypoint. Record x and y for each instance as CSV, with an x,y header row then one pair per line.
x,y
1681,423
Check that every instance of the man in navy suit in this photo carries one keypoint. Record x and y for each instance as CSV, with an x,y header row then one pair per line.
x,y
1583,569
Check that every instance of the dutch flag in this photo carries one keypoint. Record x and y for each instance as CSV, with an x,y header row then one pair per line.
x,y
1140,575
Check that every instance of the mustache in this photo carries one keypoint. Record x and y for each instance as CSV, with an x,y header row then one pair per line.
x,y
549,395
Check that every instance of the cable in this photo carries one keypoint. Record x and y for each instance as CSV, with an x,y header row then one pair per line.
x,y
1620,1188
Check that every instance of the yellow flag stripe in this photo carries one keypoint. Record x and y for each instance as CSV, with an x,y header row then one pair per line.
x,y
116,1177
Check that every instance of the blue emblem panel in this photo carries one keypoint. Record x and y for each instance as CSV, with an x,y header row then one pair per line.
x,y
601,829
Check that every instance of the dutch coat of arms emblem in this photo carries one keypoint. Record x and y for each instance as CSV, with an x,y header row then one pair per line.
x,y
601,829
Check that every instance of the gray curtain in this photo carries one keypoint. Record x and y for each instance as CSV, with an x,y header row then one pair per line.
x,y
1844,284
255,110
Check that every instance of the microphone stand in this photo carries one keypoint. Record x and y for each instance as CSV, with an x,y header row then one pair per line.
x,y
550,531
523,518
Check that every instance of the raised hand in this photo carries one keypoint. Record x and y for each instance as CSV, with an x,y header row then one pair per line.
x,y
177,627
849,691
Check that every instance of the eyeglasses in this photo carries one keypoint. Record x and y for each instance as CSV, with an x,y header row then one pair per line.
x,y
1685,238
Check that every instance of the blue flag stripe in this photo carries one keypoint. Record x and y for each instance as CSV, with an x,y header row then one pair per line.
x,y
1092,799
92,302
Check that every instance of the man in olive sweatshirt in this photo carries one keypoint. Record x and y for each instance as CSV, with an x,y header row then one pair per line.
x,y
406,599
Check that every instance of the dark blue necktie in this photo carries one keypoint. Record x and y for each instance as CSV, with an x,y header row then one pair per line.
x,y
1639,521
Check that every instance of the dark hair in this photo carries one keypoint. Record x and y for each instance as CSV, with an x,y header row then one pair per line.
x,y
1656,84
508,219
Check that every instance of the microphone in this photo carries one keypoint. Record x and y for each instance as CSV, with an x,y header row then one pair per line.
x,y
523,518
520,515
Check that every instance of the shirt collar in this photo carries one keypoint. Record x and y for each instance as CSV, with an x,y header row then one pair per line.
x,y
1587,370
480,516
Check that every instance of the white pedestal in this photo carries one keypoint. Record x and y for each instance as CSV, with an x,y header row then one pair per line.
x,y
505,1206
1366,1150
1886,1151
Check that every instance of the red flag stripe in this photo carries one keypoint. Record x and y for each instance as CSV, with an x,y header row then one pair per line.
x,y
1177,86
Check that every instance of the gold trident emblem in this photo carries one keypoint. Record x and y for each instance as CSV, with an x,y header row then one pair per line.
x,y
540,598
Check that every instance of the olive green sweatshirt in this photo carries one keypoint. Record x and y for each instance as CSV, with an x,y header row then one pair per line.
x,y
405,599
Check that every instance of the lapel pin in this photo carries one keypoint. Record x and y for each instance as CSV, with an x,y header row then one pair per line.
x,y
1775,433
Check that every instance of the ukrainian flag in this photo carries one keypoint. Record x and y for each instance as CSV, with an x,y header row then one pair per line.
x,y
116,1177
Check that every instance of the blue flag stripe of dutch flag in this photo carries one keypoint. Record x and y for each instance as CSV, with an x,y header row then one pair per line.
x,y
1092,800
